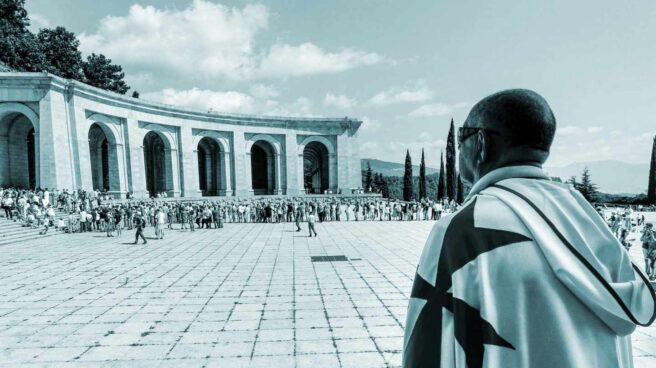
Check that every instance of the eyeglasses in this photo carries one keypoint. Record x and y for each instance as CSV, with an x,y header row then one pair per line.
x,y
466,132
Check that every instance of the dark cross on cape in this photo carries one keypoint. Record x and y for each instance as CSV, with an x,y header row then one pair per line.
x,y
462,243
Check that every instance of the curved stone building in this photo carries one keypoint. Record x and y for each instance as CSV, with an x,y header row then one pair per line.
x,y
59,133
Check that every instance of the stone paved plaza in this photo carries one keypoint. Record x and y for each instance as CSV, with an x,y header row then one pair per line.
x,y
248,295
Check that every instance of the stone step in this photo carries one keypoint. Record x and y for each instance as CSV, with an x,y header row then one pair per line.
x,y
19,238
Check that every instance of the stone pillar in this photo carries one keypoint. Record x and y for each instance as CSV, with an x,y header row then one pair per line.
x,y
226,174
55,167
172,177
277,182
189,156
117,156
355,168
332,172
137,165
4,159
294,166
343,163
243,182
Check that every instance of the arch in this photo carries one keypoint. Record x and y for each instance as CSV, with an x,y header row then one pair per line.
x,y
104,158
19,146
263,167
317,138
316,168
275,145
209,166
158,163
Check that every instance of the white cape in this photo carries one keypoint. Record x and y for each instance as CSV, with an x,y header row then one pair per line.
x,y
525,274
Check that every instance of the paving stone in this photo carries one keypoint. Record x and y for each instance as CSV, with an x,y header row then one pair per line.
x,y
248,295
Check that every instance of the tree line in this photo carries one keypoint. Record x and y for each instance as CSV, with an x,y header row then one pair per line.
x,y
446,184
52,50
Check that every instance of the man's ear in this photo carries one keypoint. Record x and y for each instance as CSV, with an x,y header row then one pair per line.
x,y
482,148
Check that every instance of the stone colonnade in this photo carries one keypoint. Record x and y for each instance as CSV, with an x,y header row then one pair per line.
x,y
83,137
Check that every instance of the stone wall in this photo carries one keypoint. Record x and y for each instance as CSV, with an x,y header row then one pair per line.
x,y
63,111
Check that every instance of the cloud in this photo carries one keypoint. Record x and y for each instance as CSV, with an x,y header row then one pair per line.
x,y
38,21
217,101
400,95
436,109
369,124
338,101
210,40
301,107
307,58
595,129
568,130
264,91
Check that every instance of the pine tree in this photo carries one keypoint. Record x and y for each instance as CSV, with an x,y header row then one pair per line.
x,y
60,49
19,48
440,179
384,189
368,178
377,183
587,188
451,163
651,188
460,197
100,72
422,176
407,178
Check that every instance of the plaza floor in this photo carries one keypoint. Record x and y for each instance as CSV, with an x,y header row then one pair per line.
x,y
248,295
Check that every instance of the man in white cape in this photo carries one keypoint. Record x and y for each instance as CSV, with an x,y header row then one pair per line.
x,y
526,273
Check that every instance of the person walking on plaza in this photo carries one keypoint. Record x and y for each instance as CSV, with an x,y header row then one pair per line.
x,y
525,273
648,240
297,217
160,221
311,220
139,224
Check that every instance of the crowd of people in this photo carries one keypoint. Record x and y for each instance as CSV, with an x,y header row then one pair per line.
x,y
623,223
82,211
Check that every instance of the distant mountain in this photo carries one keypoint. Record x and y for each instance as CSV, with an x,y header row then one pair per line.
x,y
616,177
392,168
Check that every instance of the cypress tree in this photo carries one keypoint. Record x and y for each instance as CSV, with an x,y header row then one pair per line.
x,y
586,187
651,188
407,178
460,197
422,176
451,163
368,178
440,179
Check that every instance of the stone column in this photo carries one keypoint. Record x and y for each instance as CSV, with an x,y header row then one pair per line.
x,y
277,182
55,167
137,165
4,159
332,172
343,163
173,177
117,155
226,174
294,166
189,156
243,182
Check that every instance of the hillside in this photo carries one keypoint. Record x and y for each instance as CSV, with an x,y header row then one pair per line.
x,y
611,176
616,177
392,168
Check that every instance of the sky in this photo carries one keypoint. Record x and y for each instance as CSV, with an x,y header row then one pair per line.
x,y
405,68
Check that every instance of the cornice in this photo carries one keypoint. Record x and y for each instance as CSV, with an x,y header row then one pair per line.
x,y
75,88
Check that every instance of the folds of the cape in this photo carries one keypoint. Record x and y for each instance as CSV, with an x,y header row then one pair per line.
x,y
538,294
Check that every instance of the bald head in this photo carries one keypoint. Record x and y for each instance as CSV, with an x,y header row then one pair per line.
x,y
516,127
522,116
